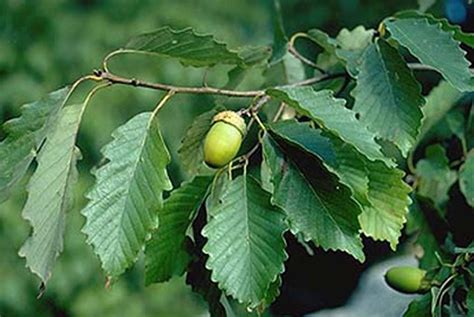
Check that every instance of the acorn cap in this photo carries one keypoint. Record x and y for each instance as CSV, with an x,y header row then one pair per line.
x,y
232,118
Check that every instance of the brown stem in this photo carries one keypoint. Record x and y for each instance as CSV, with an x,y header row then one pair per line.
x,y
115,79
293,51
303,59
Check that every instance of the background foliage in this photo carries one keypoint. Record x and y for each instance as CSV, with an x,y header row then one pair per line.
x,y
37,54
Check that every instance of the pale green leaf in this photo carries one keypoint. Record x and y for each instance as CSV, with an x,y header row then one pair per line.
x,y
424,5
323,40
288,70
189,47
349,46
435,177
469,249
123,203
24,136
434,47
245,242
165,252
439,101
253,57
389,199
317,205
352,45
466,178
331,115
191,150
353,170
49,192
388,97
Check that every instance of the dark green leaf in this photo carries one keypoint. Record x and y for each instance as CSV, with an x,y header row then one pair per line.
x,y
466,178
128,191
332,116
189,47
280,41
49,192
435,177
317,205
165,253
25,135
199,278
466,38
470,302
323,40
388,97
245,242
191,152
380,190
424,220
419,307
346,164
434,47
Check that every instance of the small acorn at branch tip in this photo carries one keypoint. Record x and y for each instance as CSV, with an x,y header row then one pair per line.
x,y
408,280
231,117
223,141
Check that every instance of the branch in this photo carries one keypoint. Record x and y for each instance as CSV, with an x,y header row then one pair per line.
x,y
298,55
114,79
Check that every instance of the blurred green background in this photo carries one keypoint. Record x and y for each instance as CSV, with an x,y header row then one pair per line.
x,y
49,43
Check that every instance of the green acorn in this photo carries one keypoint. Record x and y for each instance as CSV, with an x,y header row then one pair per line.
x,y
408,280
223,140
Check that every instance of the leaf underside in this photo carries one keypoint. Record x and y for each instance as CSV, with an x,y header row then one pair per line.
x,y
49,193
123,203
24,137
